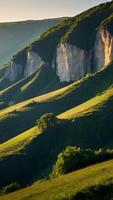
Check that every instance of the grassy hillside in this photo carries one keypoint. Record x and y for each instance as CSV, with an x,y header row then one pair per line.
x,y
95,182
88,125
16,144
57,102
15,36
83,112
31,86
89,106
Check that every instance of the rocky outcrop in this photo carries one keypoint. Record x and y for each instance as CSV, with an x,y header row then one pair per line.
x,y
34,61
103,51
32,64
13,71
70,62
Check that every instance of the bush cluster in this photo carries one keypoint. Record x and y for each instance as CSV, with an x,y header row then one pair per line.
x,y
73,158
48,120
10,188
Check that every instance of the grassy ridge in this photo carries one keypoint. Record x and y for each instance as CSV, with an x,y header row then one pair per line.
x,y
89,125
97,104
68,186
17,144
90,106
57,102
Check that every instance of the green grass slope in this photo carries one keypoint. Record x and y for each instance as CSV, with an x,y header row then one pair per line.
x,y
89,106
57,102
88,125
31,86
95,182
17,144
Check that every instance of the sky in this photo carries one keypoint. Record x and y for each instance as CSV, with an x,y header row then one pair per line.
x,y
19,10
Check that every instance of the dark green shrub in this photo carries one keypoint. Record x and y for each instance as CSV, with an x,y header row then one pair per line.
x,y
48,120
10,188
73,158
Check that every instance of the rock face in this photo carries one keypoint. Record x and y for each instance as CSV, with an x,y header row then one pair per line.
x,y
70,62
103,49
14,70
34,61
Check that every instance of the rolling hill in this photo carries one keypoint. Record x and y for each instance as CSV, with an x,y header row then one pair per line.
x,y
70,76
88,125
94,182
56,102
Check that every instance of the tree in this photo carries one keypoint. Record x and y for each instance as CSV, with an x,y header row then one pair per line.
x,y
48,120
67,161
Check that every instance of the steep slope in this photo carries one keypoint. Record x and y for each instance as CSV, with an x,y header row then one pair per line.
x,y
99,184
17,144
89,106
15,36
88,125
41,81
57,102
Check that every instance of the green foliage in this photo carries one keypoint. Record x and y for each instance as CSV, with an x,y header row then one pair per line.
x,y
10,188
48,120
73,158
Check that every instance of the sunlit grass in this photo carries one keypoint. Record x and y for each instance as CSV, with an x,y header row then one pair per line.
x,y
88,107
66,186
16,144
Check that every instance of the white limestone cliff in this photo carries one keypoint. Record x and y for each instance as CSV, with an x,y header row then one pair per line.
x,y
34,62
71,62
103,50
13,71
